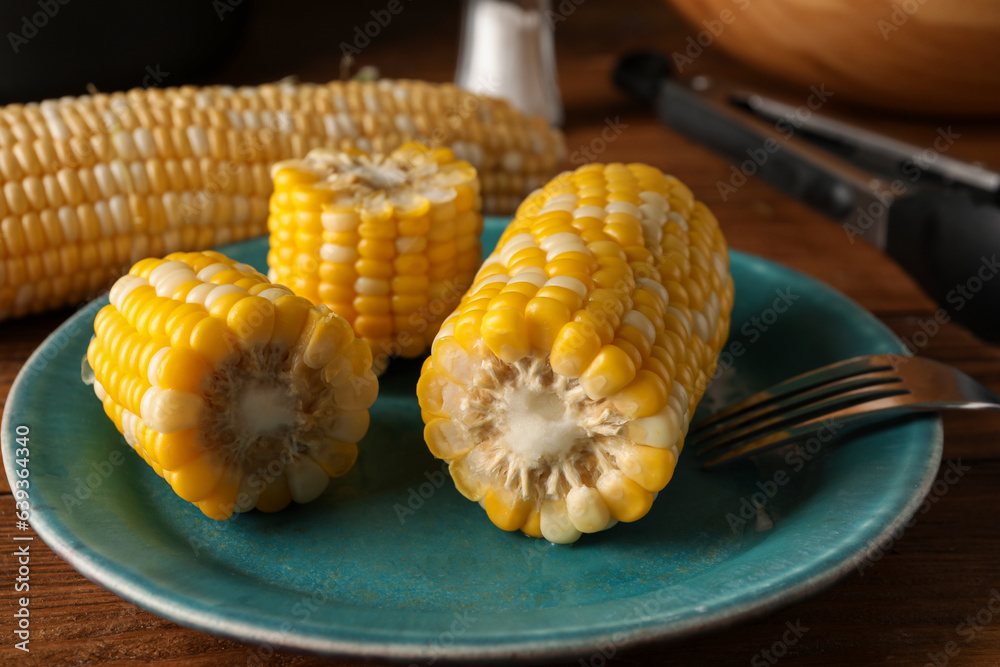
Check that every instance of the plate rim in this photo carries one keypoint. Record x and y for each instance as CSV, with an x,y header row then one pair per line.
x,y
101,570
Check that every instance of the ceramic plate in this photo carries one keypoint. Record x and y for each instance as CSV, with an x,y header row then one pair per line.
x,y
392,563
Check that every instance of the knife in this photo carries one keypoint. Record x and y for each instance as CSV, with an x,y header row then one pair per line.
x,y
938,217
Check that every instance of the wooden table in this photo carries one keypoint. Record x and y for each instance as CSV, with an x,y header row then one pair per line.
x,y
905,608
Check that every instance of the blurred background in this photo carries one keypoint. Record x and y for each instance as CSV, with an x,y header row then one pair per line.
x,y
916,55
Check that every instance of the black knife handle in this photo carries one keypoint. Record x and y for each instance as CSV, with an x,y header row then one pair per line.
x,y
951,246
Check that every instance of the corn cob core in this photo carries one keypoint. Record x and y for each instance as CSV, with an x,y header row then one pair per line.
x,y
90,185
388,242
560,390
238,393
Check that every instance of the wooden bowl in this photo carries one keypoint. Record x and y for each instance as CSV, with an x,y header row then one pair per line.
x,y
918,56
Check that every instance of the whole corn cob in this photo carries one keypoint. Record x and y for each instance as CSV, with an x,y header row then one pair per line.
x,y
238,393
90,185
389,243
560,390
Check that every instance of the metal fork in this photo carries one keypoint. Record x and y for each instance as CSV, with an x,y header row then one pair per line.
x,y
854,392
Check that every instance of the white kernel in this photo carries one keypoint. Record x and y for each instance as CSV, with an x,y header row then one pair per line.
x,y
124,146
274,293
105,218
652,214
70,223
58,128
144,143
129,424
246,268
198,293
564,202
532,275
552,253
120,172
330,252
167,268
590,211
105,180
680,392
700,325
168,284
306,479
569,282
198,140
682,316
562,238
206,273
170,410
556,525
343,221
250,120
489,280
639,320
656,288
586,509
220,291
154,365
719,264
405,124
654,199
123,287
674,216
331,126
624,207
516,244
660,430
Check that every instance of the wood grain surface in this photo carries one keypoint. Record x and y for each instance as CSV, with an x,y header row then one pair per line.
x,y
902,610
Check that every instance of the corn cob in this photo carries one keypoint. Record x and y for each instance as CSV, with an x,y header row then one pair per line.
x,y
390,244
560,390
238,393
90,185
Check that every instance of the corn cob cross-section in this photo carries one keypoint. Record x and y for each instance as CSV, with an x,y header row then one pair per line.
x,y
388,242
561,388
235,391
90,185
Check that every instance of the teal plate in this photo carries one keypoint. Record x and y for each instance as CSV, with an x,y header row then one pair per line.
x,y
392,563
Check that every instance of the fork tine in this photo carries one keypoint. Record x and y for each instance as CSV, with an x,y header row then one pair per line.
x,y
796,417
800,383
859,413
776,409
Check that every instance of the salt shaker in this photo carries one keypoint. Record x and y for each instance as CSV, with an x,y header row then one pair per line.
x,y
507,51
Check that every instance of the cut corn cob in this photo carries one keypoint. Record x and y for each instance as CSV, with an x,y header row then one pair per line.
x,y
90,185
235,391
560,390
389,243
